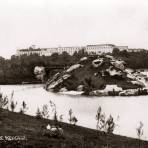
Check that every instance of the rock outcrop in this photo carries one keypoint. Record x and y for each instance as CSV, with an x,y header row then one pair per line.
x,y
98,75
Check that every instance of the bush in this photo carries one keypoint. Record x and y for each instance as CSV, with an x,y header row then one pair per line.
x,y
13,105
39,114
23,108
113,93
3,101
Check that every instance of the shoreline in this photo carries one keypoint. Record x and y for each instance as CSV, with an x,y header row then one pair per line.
x,y
81,93
75,93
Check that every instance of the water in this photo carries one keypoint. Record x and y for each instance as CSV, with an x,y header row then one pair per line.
x,y
130,110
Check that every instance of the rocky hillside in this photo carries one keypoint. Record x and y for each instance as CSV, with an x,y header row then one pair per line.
x,y
99,75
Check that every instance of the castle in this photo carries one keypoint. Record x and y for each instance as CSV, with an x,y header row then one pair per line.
x,y
90,49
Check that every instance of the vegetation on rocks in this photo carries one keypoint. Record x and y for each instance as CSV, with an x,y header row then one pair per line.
x,y
135,60
95,73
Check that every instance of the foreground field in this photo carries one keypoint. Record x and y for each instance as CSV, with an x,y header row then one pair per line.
x,y
17,130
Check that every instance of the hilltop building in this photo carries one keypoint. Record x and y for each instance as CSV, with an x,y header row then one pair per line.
x,y
48,51
91,49
121,48
100,48
137,50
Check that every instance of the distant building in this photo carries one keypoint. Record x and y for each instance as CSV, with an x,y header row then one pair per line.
x,y
137,50
121,48
100,48
69,50
29,52
91,49
48,51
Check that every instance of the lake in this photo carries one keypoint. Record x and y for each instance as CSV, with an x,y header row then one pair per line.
x,y
127,111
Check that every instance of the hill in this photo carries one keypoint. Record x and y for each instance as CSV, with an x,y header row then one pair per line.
x,y
30,130
99,75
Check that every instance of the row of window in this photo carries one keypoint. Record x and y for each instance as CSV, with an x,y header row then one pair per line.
x,y
69,50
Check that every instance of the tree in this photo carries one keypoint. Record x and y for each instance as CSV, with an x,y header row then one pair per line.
x,y
124,53
139,131
107,126
116,51
70,115
78,55
45,111
13,105
39,114
88,85
55,117
110,125
52,106
74,120
3,101
98,115
23,108
64,58
61,118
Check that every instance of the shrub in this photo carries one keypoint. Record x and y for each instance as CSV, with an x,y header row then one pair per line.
x,y
70,115
98,116
3,101
23,108
13,105
45,111
139,131
39,114
74,120
113,93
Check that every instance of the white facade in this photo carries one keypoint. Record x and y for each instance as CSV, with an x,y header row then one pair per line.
x,y
101,48
48,51
29,52
121,48
69,50
91,49
136,50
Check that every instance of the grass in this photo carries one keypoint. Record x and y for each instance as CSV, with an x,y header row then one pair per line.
x,y
16,124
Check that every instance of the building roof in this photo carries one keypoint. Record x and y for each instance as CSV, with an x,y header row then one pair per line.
x,y
102,45
30,49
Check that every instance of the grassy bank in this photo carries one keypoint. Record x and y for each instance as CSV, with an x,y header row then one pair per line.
x,y
31,130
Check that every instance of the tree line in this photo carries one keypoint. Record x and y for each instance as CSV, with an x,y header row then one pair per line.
x,y
20,69
135,60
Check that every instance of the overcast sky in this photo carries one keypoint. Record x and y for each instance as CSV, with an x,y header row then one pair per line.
x,y
51,23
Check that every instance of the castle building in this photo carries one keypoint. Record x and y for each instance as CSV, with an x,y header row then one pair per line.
x,y
48,51
91,49
69,50
137,50
100,48
121,48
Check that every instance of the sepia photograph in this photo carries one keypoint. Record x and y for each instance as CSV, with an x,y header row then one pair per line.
x,y
73,74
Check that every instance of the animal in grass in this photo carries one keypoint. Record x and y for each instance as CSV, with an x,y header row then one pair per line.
x,y
53,131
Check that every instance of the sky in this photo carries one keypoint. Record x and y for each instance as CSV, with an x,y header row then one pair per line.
x,y
52,23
